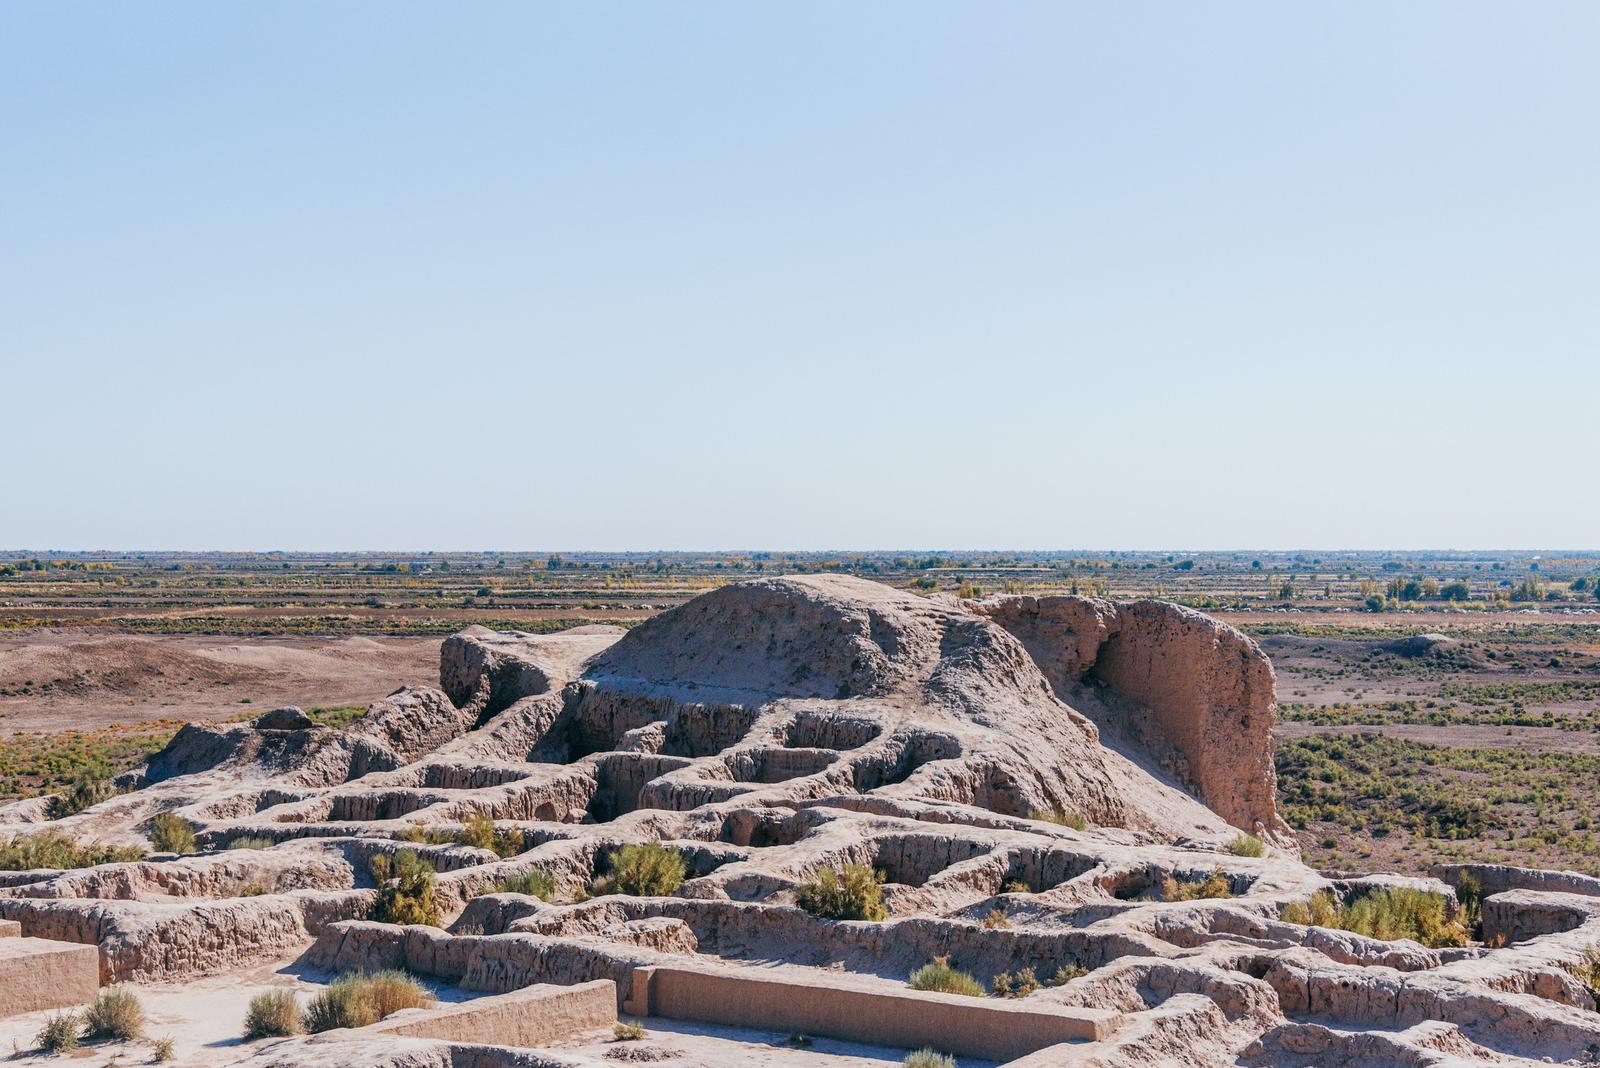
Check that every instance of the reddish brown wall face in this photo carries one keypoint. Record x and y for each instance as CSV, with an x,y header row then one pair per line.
x,y
1189,690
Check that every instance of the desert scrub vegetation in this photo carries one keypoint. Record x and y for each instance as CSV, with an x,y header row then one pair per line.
x,y
171,833
937,975
1213,885
53,849
1026,981
648,870
927,1057
116,1014
356,1000
1388,913
628,1031
1246,845
1587,972
477,830
59,1033
406,889
76,765
162,1051
249,842
272,1014
537,883
1060,817
853,892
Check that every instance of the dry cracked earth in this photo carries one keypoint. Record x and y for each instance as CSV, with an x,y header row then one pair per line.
x,y
775,728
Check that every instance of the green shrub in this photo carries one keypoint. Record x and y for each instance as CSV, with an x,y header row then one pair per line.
x,y
342,1003
53,849
1246,845
537,883
938,976
479,831
1387,913
60,1032
1075,820
1006,985
90,788
650,870
854,892
927,1058
406,889
272,1014
355,1000
171,833
247,842
1213,885
116,1014
628,1031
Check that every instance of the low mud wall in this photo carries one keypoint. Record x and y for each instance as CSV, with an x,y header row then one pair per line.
x,y
904,1018
531,1016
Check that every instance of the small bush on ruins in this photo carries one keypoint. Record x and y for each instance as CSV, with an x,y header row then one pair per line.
x,y
629,1031
854,892
89,788
1246,845
1469,892
171,833
406,889
537,883
649,870
116,1014
52,849
1016,886
163,1051
1388,913
272,1014
1061,817
1066,974
927,1058
1213,885
479,831
1006,985
355,1000
60,1032
247,842
1587,972
996,921
938,976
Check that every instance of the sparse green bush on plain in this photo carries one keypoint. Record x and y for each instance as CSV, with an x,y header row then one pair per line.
x,y
937,975
54,849
853,892
537,883
171,833
1387,913
91,787
356,1000
59,1033
115,1014
1246,845
649,870
1213,885
1061,817
406,889
250,842
272,1014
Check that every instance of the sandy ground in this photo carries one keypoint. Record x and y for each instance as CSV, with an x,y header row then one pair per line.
x,y
95,679
204,1019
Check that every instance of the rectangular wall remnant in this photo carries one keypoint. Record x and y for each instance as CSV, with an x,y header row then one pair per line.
x,y
907,1019
38,973
532,1016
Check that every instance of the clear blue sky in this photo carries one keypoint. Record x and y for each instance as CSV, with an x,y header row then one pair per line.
x,y
670,275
